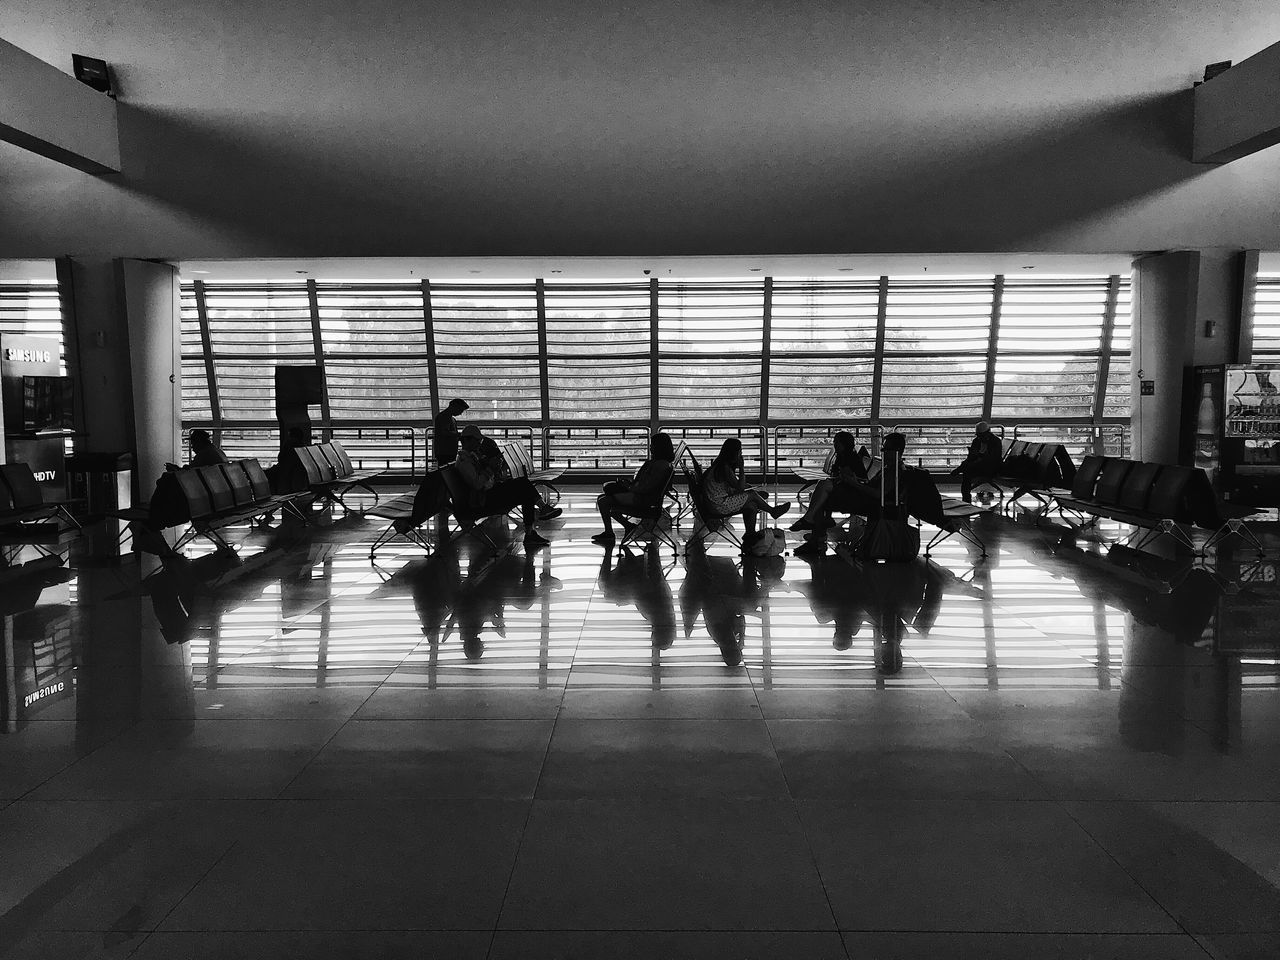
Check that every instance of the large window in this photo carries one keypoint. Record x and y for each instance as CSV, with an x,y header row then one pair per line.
x,y
1266,319
32,309
583,369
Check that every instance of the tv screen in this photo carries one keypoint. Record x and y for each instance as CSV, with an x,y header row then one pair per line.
x,y
46,404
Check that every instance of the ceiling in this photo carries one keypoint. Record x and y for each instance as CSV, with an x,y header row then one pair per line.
x,y
669,128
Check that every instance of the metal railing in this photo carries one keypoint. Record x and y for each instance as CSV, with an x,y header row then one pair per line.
x,y
404,449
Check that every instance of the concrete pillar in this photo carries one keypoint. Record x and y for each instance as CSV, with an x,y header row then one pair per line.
x,y
124,318
1186,312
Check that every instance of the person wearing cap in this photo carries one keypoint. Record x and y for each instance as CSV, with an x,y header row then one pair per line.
x,y
446,431
983,460
491,496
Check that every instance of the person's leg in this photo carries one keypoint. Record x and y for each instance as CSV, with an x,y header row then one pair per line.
x,y
966,485
605,504
817,506
757,503
749,514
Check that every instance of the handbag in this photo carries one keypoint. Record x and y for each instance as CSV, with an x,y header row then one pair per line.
x,y
889,538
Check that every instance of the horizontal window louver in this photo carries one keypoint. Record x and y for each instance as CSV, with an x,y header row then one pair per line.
x,y
252,328
709,346
33,310
486,339
597,352
196,405
1050,338
376,341
1117,399
936,335
1266,319
822,348
375,351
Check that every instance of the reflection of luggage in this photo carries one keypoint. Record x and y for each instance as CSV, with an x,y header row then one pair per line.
x,y
888,537
769,542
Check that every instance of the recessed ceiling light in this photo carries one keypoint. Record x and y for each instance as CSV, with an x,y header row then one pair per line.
x,y
557,271
473,271
846,269
199,271
300,271
1029,268
755,269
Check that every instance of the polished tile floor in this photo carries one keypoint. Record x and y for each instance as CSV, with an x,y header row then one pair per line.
x,y
1050,752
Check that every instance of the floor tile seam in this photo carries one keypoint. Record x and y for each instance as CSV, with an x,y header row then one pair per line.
x,y
1064,806
63,769
312,759
524,832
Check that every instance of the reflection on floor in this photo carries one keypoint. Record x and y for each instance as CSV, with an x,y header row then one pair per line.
x,y
580,752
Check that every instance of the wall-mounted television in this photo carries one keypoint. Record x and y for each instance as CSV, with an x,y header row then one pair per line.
x,y
46,404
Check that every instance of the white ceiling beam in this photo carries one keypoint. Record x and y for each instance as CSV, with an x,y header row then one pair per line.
x,y
1238,112
53,114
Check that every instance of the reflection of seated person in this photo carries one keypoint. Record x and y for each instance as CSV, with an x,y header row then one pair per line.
x,y
641,580
490,496
725,489
714,587
898,491
983,461
483,599
846,472
631,498
204,452
838,597
434,584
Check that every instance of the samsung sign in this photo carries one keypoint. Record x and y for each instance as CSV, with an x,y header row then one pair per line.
x,y
18,355
49,691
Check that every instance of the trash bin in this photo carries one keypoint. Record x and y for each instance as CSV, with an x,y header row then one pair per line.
x,y
101,485
103,482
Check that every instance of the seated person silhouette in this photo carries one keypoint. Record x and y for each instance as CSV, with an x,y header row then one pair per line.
x,y
715,588
982,464
487,495
846,473
204,452
622,499
905,492
725,489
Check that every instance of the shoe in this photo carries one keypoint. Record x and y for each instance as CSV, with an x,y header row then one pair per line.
x,y
779,510
811,548
534,540
801,524
604,539
549,513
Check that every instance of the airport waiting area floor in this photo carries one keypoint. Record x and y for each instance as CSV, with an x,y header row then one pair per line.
x,y
1049,752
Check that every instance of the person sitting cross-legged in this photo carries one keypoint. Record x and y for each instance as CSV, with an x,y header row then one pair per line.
x,y
629,498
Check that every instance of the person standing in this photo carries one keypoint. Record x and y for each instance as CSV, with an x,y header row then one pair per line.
x,y
446,431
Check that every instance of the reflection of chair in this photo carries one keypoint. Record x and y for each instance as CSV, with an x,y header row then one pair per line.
x,y
707,522
460,493
654,521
